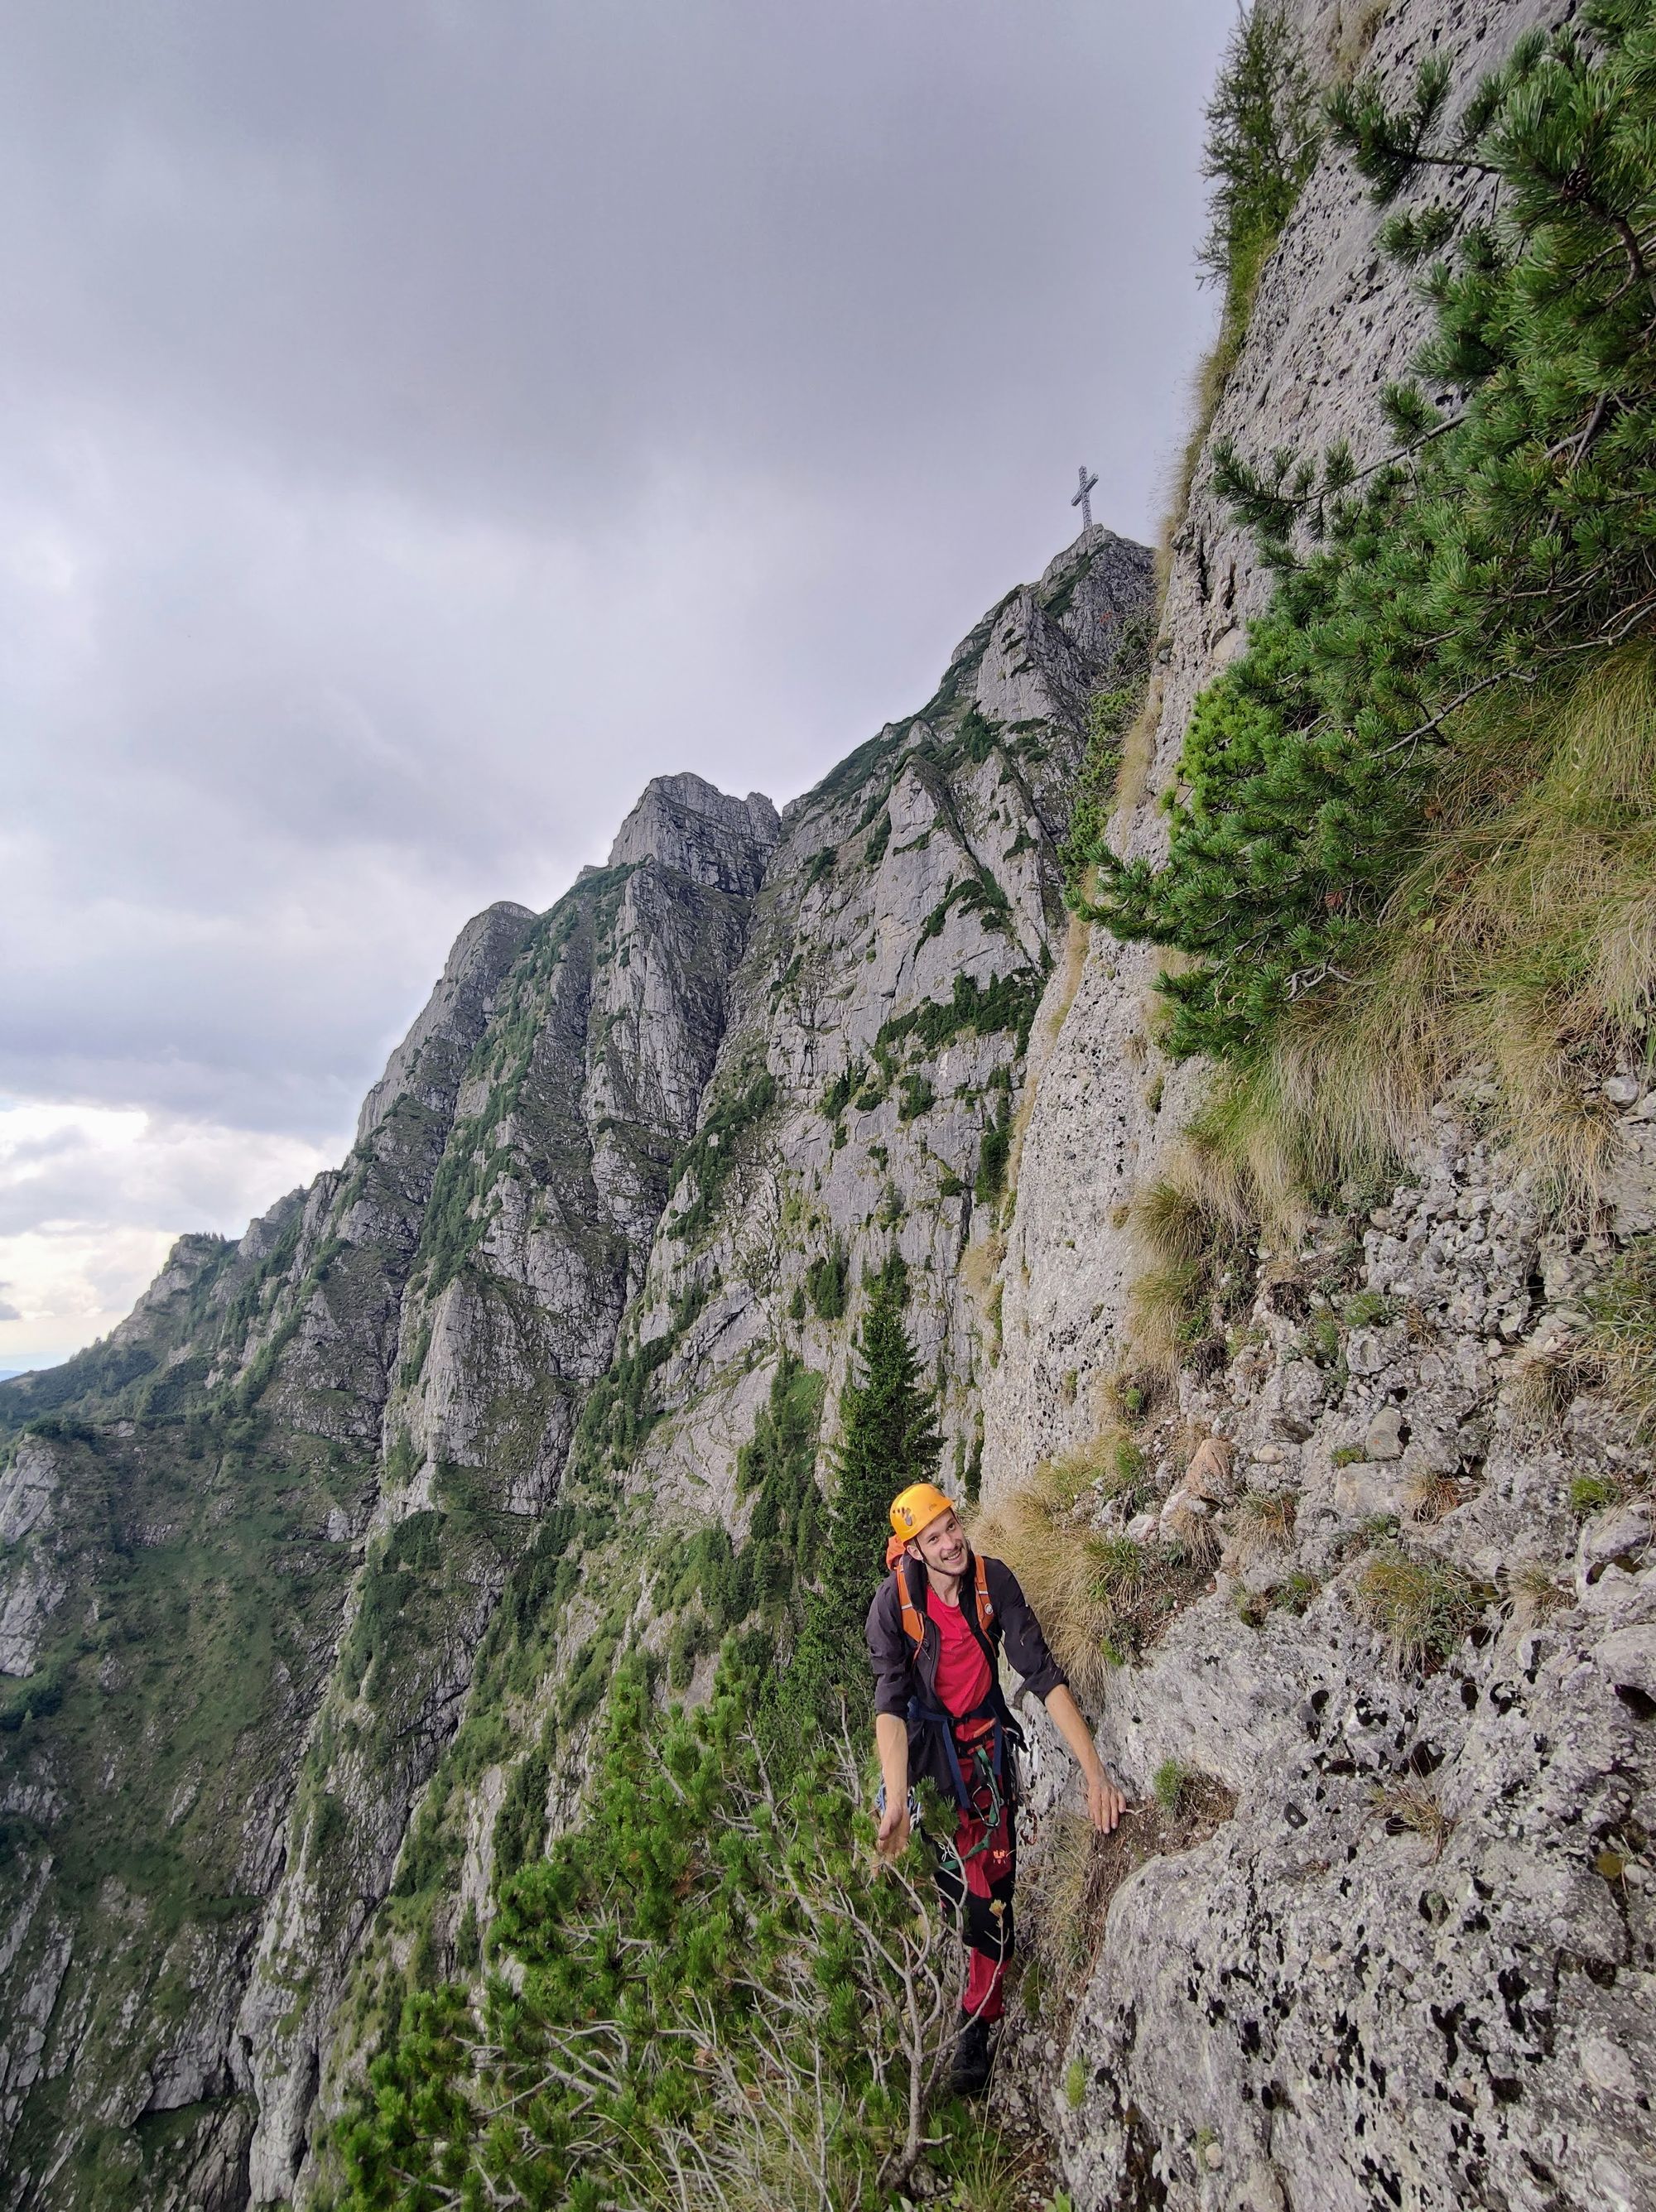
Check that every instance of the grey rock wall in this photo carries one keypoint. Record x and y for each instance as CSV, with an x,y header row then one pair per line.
x,y
1415,1967
580,1088
1419,1964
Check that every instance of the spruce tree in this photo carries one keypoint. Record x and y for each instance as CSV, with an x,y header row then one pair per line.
x,y
888,1438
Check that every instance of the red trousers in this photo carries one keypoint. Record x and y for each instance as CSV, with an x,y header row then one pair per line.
x,y
976,1878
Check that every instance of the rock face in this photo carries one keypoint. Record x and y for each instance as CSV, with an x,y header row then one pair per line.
x,y
566,1116
1417,1965
1425,1935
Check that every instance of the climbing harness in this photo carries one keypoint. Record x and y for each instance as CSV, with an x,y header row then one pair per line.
x,y
987,1747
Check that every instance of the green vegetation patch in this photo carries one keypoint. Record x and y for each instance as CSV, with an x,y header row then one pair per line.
x,y
1005,1002
1424,1606
716,1149
711,1966
1437,618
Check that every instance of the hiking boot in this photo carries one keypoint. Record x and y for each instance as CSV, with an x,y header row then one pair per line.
x,y
969,2074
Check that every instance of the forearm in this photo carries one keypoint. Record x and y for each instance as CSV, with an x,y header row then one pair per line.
x,y
891,1736
1065,1717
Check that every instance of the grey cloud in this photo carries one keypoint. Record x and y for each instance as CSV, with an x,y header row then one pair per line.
x,y
521,255
430,420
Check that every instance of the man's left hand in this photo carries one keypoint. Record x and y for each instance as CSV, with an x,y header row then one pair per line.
x,y
1105,1803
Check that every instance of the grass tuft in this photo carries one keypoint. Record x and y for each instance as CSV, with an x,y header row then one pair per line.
x,y
1522,942
1429,1496
1621,1340
1535,1592
1407,1809
1171,1783
1422,1605
1262,1520
1296,1592
1591,1493
1195,1236
1101,1598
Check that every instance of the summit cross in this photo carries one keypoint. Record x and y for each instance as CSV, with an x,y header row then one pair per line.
x,y
1082,499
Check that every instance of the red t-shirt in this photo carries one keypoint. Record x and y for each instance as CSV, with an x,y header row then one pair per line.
x,y
963,1678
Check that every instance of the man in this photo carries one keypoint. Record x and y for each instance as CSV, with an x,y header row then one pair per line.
x,y
934,1632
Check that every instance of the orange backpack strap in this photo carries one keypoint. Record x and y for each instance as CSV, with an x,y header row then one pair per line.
x,y
985,1610
913,1626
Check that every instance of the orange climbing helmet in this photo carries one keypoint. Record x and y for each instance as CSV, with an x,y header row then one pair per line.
x,y
913,1510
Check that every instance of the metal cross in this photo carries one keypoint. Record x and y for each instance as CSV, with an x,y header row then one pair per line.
x,y
1081,499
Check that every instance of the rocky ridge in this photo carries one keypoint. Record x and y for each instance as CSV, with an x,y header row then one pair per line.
x,y
617,1184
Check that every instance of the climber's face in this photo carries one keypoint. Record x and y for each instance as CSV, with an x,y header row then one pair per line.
x,y
942,1545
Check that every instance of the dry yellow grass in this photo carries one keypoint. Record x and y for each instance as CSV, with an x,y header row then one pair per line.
x,y
1406,1807
1100,1596
1077,938
1621,1341
1523,941
1535,1592
1428,1496
980,1266
1192,1229
1261,1521
1138,747
1052,1561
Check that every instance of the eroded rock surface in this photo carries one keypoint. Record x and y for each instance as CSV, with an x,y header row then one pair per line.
x,y
1415,1967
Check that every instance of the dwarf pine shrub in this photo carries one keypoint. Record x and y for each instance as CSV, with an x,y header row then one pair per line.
x,y
1503,546
709,1994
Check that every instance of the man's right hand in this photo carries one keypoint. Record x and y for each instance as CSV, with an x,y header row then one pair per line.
x,y
893,1839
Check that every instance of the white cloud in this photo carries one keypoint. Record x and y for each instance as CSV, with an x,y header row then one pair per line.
x,y
91,1199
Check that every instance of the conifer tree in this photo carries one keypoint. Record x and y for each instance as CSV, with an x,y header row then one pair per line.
x,y
1263,142
888,1438
1509,534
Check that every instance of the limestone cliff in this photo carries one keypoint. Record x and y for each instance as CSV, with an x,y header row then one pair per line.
x,y
1418,1965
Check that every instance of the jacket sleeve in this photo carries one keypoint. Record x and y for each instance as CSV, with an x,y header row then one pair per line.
x,y
1026,1646
888,1648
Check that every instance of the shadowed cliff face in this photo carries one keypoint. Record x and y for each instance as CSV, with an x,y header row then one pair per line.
x,y
180,1544
256,1543
572,1109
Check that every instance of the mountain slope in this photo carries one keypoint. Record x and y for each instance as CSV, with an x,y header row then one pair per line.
x,y
612,1194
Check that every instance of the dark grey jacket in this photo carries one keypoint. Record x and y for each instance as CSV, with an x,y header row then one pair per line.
x,y
903,1674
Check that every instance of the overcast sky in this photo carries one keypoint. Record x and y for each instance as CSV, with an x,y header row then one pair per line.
x,y
423,421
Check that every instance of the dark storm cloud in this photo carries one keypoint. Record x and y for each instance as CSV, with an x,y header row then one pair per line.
x,y
425,421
